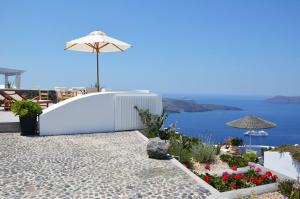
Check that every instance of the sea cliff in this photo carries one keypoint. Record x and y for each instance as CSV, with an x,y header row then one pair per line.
x,y
284,99
178,105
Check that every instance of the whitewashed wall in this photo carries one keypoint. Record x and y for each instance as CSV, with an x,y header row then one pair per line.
x,y
98,112
282,163
126,117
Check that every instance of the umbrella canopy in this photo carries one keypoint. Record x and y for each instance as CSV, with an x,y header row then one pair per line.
x,y
97,42
251,122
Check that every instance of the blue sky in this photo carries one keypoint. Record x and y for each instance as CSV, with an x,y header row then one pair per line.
x,y
207,47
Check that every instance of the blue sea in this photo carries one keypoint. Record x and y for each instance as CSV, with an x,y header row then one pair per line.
x,y
212,124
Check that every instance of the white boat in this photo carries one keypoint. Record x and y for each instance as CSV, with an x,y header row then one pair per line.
x,y
256,133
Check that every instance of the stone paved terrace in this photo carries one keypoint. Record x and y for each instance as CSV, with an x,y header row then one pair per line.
x,y
107,165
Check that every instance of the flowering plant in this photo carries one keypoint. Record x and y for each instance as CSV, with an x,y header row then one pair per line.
x,y
234,168
289,188
227,182
208,167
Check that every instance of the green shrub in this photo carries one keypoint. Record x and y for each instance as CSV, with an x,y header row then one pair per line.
x,y
218,149
195,140
289,188
25,108
238,161
235,160
178,149
204,153
237,141
250,157
164,134
225,157
181,146
295,194
285,187
150,134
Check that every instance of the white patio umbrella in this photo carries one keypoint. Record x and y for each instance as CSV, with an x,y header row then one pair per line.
x,y
97,42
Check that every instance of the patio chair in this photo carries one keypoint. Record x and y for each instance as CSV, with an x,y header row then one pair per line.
x,y
9,97
43,98
2,102
63,93
67,94
59,91
79,90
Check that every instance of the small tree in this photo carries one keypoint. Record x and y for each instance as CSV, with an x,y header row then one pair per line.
x,y
153,124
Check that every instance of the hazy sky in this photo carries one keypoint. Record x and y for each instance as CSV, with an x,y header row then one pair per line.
x,y
219,47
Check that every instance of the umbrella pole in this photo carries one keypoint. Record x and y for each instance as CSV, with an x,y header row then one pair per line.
x,y
98,84
250,139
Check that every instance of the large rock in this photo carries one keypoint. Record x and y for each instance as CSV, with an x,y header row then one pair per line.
x,y
157,148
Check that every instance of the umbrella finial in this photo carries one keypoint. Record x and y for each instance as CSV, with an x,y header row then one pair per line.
x,y
97,32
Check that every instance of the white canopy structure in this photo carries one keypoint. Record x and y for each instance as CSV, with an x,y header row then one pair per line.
x,y
97,42
12,72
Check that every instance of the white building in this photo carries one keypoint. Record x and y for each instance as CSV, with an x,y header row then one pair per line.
x,y
11,72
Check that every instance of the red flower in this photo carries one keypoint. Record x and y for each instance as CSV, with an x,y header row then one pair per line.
x,y
258,169
207,167
264,176
237,176
233,186
225,177
206,179
254,179
269,173
225,173
258,181
234,168
274,177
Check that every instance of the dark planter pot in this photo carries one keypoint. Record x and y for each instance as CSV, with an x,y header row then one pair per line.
x,y
28,125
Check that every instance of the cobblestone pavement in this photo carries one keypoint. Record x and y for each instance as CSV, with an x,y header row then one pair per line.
x,y
107,165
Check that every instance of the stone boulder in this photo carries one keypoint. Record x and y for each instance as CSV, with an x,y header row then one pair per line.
x,y
157,148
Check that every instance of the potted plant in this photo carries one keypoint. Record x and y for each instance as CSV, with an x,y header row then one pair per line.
x,y
28,112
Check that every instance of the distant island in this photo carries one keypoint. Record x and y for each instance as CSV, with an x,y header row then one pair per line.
x,y
284,99
181,105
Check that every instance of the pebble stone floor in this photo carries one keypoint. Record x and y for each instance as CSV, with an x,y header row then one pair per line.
x,y
108,165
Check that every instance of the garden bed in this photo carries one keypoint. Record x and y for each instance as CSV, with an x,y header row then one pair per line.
x,y
227,182
244,182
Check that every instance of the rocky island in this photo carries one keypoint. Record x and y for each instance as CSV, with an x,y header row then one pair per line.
x,y
284,99
179,105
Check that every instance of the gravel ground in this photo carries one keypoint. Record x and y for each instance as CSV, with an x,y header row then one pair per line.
x,y
272,195
110,165
217,167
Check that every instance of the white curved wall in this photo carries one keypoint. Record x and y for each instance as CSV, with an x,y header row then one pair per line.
x,y
282,163
98,112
